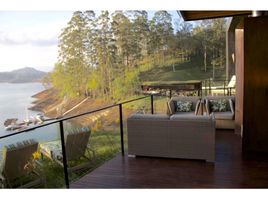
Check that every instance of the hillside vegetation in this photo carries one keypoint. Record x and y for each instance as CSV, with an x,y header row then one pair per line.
x,y
109,55
183,72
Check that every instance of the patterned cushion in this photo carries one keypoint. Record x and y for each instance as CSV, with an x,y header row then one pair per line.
x,y
53,149
219,105
184,106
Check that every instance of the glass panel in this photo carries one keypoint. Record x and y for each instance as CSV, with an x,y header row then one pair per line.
x,y
217,87
160,104
26,162
142,106
91,140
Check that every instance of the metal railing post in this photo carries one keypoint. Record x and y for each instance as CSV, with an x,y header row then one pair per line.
x,y
64,159
152,104
206,88
60,122
121,129
224,88
201,89
209,86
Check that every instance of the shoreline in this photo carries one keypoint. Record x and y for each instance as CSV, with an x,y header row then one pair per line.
x,y
51,105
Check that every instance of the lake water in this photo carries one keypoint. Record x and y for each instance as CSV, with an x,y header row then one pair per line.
x,y
14,101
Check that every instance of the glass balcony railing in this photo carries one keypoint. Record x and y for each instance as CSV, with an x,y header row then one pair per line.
x,y
54,154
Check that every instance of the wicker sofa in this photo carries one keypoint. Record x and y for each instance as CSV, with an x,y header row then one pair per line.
x,y
224,120
177,136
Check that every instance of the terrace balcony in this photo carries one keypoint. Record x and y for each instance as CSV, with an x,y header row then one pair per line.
x,y
240,159
231,168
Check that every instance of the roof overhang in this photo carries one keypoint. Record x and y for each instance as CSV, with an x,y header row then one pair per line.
x,y
198,15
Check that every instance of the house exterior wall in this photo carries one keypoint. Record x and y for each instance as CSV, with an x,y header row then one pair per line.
x,y
239,65
255,106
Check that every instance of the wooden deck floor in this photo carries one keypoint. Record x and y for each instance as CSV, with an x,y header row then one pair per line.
x,y
230,170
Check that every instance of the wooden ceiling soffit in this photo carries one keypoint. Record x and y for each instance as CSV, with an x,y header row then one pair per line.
x,y
198,15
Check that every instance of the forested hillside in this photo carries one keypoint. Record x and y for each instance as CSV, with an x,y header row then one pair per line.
x,y
108,55
23,75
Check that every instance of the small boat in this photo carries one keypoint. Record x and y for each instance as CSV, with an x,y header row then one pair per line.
x,y
40,118
10,121
12,124
13,127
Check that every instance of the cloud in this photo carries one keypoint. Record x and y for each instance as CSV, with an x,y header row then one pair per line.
x,y
17,56
7,39
40,35
34,46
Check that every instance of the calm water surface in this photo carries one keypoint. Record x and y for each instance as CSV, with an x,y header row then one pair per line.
x,y
14,101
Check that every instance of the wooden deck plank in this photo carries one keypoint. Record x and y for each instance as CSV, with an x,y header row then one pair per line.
x,y
230,170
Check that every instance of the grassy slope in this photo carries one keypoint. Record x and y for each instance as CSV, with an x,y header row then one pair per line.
x,y
184,72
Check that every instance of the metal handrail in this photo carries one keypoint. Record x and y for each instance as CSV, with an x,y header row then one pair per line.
x,y
71,117
61,120
208,86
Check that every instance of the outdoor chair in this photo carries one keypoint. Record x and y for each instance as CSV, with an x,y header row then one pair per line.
x,y
223,108
228,89
184,105
13,165
76,146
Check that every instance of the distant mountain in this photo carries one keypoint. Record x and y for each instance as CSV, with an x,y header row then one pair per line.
x,y
23,75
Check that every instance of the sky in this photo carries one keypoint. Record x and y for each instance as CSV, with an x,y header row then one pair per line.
x,y
30,38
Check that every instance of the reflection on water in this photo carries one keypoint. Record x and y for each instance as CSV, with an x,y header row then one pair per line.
x,y
14,101
44,134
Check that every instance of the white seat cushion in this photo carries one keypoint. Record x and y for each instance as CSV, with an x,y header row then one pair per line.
x,y
192,117
149,117
224,115
183,114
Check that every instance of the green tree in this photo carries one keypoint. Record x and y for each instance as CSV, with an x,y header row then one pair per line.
x,y
183,40
209,37
106,54
218,44
71,60
122,30
202,36
140,32
161,34
103,57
